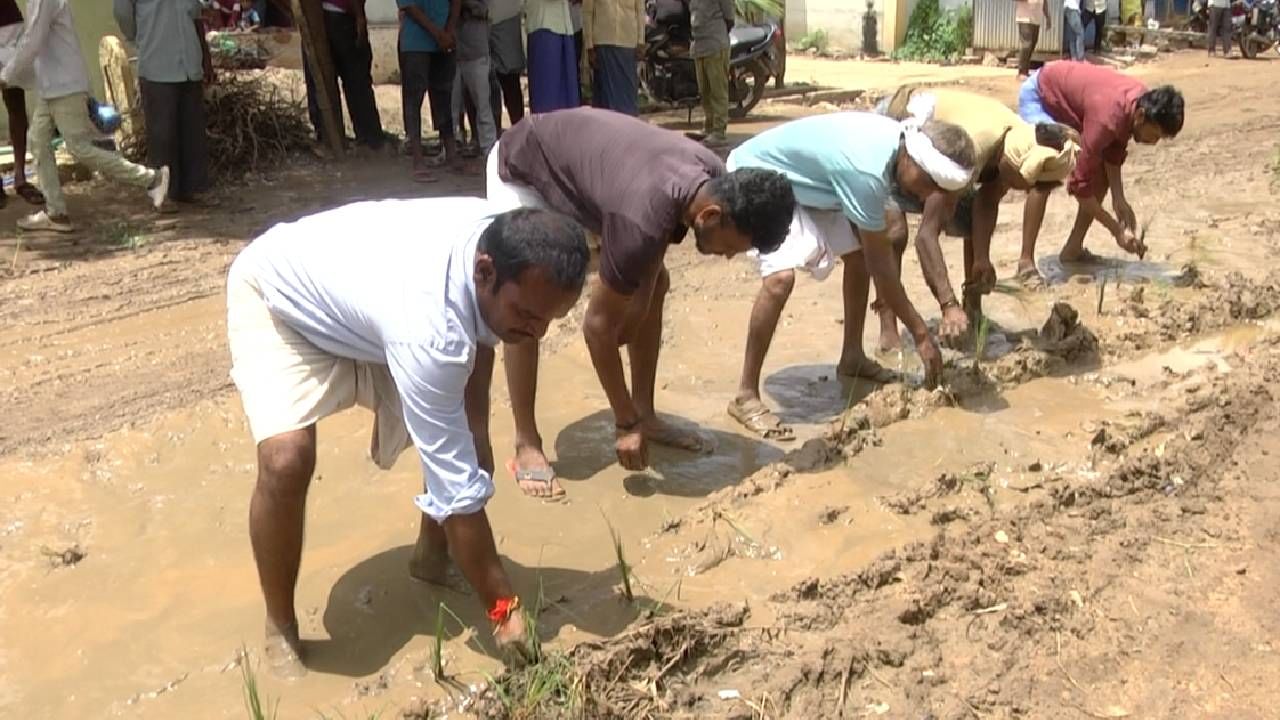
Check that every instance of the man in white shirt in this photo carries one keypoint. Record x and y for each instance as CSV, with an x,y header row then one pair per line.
x,y
403,324
50,47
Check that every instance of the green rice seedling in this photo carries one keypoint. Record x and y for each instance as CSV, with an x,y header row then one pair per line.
x,y
252,697
437,650
623,568
980,342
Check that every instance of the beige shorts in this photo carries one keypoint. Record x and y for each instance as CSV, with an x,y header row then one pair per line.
x,y
286,383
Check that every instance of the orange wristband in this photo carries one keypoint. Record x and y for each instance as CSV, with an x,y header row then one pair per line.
x,y
503,608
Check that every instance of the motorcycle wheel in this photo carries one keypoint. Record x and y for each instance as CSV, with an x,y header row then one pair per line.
x,y
746,86
1248,46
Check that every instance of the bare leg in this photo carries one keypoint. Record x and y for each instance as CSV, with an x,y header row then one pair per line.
x,y
775,290
1032,220
1074,250
643,351
531,464
897,229
854,362
276,517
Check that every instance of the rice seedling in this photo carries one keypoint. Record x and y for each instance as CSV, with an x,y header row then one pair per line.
x,y
437,650
623,568
252,697
980,342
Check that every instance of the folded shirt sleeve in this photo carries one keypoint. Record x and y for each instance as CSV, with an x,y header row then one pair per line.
x,y
431,380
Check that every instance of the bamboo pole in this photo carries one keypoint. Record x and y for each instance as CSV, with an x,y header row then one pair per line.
x,y
308,16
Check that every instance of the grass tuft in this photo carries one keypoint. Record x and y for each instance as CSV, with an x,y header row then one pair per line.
x,y
252,697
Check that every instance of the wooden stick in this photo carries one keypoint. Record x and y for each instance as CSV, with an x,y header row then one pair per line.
x,y
309,17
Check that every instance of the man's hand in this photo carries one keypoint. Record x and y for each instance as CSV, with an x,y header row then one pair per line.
x,y
954,325
641,51
931,358
1125,214
591,57
446,40
633,453
511,634
1129,242
983,276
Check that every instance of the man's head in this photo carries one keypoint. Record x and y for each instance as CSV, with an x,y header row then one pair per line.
x,y
934,157
741,210
1158,115
529,270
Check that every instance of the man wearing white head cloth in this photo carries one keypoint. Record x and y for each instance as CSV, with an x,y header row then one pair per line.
x,y
1010,155
844,169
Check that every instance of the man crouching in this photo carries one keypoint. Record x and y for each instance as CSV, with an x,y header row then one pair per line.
x,y
396,306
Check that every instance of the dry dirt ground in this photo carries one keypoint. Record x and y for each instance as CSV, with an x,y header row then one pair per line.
x,y
1084,524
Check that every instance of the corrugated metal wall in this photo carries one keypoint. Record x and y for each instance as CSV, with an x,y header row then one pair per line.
x,y
994,27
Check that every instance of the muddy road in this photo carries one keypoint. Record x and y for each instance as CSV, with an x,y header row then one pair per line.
x,y
1083,526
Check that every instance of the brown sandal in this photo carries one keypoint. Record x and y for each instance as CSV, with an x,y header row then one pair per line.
x,y
755,416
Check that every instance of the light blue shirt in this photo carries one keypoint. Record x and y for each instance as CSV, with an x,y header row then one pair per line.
x,y
838,161
392,282
165,34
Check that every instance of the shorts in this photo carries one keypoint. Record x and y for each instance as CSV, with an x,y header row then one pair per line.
x,y
816,238
286,383
1030,106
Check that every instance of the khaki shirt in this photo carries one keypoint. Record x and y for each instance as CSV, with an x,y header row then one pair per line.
x,y
613,22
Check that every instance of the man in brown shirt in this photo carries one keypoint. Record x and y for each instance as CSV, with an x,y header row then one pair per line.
x,y
641,189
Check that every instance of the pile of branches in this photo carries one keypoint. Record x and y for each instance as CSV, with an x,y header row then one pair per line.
x,y
253,123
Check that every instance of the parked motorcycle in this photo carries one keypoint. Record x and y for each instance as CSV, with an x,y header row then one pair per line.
x,y
756,54
1261,29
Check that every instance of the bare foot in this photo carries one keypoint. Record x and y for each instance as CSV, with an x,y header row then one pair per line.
x,y
283,651
534,474
660,432
1029,275
889,338
511,637
434,567
864,368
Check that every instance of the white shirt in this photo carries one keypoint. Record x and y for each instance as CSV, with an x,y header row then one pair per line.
x,y
1071,5
50,47
392,282
553,15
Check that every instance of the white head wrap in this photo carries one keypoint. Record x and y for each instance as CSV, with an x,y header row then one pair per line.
x,y
947,173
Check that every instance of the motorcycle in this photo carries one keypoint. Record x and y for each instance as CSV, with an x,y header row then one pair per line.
x,y
1261,29
756,54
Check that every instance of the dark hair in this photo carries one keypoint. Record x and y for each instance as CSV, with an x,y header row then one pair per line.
x,y
520,239
1163,106
1052,135
758,202
951,141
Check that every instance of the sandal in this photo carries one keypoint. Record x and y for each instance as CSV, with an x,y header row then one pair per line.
x,y
877,373
424,176
540,475
30,193
1030,279
755,416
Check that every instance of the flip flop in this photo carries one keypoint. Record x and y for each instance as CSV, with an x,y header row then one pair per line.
x,y
1086,258
541,475
1030,279
424,176
880,373
755,416
30,193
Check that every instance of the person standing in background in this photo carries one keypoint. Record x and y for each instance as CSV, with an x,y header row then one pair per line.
x,y
15,104
472,77
710,23
347,32
1219,27
1095,13
613,31
506,55
575,14
173,66
1028,14
1073,33
50,47
553,73
427,67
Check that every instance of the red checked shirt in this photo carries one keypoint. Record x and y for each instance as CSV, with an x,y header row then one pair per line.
x,y
1099,104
